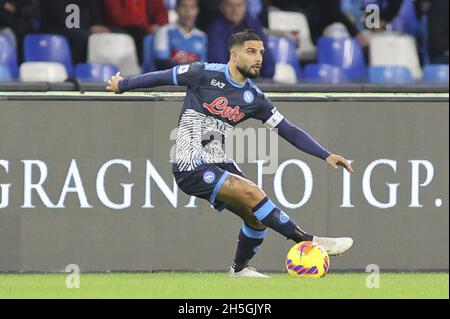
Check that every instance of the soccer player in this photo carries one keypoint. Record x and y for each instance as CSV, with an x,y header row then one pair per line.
x,y
219,97
181,43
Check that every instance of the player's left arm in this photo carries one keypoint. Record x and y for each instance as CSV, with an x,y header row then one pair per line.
x,y
304,142
298,137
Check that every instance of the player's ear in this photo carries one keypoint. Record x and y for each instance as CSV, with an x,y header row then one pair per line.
x,y
233,55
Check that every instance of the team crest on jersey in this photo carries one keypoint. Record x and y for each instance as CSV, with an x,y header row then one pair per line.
x,y
284,218
249,97
220,107
209,177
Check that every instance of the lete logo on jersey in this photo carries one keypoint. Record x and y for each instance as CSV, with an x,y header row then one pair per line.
x,y
220,107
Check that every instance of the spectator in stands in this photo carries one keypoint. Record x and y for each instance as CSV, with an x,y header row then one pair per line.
x,y
181,43
234,16
320,14
137,18
354,10
210,9
91,21
438,32
18,18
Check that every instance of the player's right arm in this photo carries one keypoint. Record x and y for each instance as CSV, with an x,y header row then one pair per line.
x,y
187,75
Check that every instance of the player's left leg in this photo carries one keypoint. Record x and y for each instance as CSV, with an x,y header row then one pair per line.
x,y
250,239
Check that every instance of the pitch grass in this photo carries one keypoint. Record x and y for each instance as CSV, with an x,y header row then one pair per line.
x,y
220,286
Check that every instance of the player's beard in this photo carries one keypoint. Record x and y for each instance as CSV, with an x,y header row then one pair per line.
x,y
247,72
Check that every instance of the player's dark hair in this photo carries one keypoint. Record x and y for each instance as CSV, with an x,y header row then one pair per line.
x,y
239,38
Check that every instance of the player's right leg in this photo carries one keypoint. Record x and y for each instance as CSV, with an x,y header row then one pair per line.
x,y
256,206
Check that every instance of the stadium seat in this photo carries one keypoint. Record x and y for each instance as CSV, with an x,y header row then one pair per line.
x,y
391,49
283,51
325,73
173,16
284,73
48,48
95,72
5,74
294,22
118,49
390,75
344,53
148,57
8,56
171,6
436,73
336,30
43,72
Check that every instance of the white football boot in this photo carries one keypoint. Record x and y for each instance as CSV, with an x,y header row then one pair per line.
x,y
334,246
248,272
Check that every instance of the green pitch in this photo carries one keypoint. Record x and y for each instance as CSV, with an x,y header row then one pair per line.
x,y
215,286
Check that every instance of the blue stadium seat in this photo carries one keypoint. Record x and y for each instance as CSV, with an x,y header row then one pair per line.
x,y
148,56
325,73
283,51
95,72
346,54
436,73
390,75
8,56
48,48
5,74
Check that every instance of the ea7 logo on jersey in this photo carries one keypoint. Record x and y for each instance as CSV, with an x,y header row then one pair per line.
x,y
217,83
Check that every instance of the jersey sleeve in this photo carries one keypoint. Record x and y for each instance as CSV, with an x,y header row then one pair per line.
x,y
267,113
188,74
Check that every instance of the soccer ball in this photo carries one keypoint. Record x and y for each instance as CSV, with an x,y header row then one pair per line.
x,y
307,260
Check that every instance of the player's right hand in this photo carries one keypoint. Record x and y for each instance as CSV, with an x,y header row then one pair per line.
x,y
113,84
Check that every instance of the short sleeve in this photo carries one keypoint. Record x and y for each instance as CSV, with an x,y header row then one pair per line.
x,y
188,74
267,113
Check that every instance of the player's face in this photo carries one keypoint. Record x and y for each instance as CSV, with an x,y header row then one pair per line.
x,y
234,10
249,58
187,12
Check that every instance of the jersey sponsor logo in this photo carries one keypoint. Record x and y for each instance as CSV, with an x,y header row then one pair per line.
x,y
249,97
209,177
217,83
184,57
220,107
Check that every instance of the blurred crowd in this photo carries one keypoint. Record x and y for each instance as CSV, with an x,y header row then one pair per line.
x,y
185,31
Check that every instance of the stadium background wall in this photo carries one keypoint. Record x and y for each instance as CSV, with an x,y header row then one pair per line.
x,y
404,139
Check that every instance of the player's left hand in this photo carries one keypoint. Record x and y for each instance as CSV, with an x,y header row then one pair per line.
x,y
337,160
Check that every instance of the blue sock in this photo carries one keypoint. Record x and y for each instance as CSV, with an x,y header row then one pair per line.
x,y
273,217
248,244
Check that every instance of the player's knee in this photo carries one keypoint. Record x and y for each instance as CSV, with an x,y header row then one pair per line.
x,y
254,194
